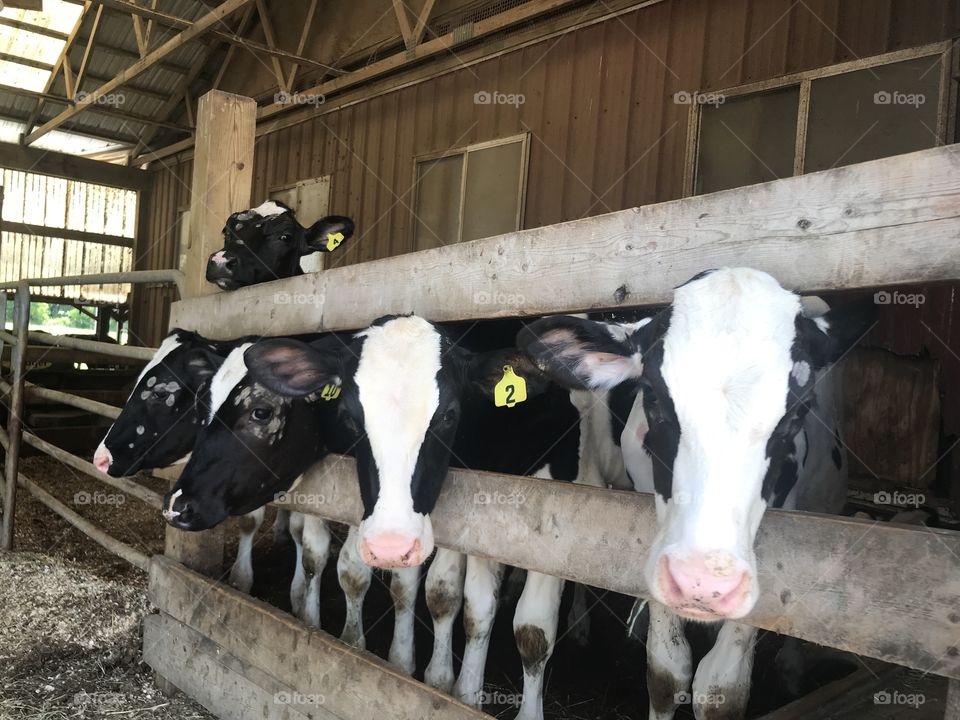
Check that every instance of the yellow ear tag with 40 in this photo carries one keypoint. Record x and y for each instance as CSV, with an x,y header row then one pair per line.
x,y
334,240
330,392
511,389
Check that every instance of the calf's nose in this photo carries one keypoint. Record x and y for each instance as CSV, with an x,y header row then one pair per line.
x,y
704,585
391,550
102,458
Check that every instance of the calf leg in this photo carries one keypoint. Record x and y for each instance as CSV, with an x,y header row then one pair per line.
x,y
535,628
444,598
241,574
721,686
298,586
578,619
404,583
480,593
281,527
354,575
669,664
316,551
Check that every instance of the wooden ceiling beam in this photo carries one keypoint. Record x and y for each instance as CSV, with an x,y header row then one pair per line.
x,y
421,25
241,29
195,30
49,162
307,26
61,59
88,49
400,10
271,39
29,27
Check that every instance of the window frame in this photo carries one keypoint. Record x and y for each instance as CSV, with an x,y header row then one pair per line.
x,y
946,106
465,150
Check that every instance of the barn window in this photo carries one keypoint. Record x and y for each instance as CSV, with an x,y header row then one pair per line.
x,y
470,193
830,117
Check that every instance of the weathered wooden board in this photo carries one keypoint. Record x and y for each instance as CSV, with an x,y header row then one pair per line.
x,y
226,686
351,683
889,222
887,591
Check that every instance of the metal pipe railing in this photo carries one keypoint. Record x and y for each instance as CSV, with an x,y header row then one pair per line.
x,y
133,276
18,388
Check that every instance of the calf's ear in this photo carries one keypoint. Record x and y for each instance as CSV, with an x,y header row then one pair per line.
x,y
582,354
201,365
826,338
485,370
326,234
292,368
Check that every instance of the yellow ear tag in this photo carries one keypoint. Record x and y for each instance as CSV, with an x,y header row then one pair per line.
x,y
511,389
333,241
330,392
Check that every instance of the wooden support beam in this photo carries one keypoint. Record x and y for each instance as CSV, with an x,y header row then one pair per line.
x,y
48,86
66,234
271,39
87,50
400,10
422,19
823,578
334,679
49,162
242,27
98,109
167,20
890,221
191,33
30,27
304,33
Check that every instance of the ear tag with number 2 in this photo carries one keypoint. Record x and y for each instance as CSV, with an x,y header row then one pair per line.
x,y
511,389
330,392
334,240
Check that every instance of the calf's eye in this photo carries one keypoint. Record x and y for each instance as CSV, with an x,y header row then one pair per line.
x,y
262,414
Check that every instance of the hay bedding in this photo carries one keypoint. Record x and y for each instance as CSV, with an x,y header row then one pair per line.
x,y
70,616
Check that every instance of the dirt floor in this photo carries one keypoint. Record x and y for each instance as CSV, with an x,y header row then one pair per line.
x,y
70,612
70,617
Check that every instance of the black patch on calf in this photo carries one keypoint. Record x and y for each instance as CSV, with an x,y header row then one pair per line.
x,y
620,402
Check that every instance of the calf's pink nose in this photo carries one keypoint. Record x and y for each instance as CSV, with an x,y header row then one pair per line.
x,y
102,458
391,550
218,258
705,585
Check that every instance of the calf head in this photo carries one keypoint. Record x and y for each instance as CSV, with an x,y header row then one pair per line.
x,y
266,243
403,383
253,444
727,374
158,423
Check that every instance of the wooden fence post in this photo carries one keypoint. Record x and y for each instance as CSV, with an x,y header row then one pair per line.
x,y
222,182
21,321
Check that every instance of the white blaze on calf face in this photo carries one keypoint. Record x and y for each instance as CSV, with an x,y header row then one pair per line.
x,y
230,373
726,365
269,209
397,386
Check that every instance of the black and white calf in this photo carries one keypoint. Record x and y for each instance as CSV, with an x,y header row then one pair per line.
x,y
252,445
267,243
738,411
419,403
158,424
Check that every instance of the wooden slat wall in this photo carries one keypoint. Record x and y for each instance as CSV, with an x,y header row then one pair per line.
x,y
606,134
